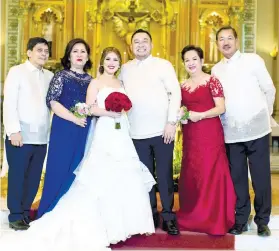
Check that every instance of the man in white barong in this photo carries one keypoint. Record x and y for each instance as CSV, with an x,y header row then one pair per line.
x,y
152,85
249,98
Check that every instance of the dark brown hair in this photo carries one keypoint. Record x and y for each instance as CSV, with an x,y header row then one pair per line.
x,y
226,28
33,41
187,48
65,61
141,31
105,52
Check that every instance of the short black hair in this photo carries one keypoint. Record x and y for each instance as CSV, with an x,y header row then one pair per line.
x,y
65,61
33,41
141,31
197,49
228,27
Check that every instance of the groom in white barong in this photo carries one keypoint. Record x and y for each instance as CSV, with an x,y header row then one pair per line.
x,y
152,85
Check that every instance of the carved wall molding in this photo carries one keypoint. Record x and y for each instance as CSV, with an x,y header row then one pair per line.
x,y
249,26
55,9
104,11
207,13
12,22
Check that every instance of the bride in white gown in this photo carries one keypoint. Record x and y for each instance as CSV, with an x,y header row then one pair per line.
x,y
108,201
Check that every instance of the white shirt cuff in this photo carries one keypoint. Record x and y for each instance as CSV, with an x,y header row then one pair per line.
x,y
12,129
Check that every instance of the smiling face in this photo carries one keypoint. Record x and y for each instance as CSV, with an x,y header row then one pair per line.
x,y
111,63
78,56
38,56
192,62
141,45
227,43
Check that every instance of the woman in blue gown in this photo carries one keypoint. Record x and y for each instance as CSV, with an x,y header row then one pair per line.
x,y
68,132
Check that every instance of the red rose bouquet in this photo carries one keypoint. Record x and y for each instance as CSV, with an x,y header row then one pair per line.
x,y
118,102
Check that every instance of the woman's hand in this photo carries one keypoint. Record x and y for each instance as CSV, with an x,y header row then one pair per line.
x,y
82,122
184,122
115,114
196,116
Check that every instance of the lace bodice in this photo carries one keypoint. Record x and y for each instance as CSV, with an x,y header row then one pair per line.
x,y
201,98
68,88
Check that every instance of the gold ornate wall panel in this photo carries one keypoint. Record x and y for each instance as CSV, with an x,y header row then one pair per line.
x,y
249,26
212,16
43,19
12,37
172,23
113,23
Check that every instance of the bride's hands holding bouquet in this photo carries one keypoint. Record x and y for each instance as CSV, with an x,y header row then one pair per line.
x,y
114,114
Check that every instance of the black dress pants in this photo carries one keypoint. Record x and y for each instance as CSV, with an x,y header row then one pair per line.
x,y
257,154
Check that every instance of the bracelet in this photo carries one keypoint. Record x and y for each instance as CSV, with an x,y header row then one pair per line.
x,y
172,123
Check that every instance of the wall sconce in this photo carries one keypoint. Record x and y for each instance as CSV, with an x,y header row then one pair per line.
x,y
274,52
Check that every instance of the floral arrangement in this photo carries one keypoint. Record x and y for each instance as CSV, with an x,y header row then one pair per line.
x,y
183,114
118,102
81,110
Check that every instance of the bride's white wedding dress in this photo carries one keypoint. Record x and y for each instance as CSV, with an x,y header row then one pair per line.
x,y
107,203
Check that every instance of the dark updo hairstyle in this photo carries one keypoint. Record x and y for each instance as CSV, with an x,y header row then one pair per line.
x,y
187,48
65,61
105,52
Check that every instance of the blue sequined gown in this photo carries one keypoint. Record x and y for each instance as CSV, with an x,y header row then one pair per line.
x,y
67,140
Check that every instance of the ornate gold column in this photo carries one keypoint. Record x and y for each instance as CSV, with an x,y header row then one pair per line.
x,y
164,37
23,29
79,18
3,39
236,18
202,36
183,35
11,47
184,23
194,17
68,30
98,20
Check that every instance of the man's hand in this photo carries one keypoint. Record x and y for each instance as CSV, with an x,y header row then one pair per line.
x,y
169,133
16,139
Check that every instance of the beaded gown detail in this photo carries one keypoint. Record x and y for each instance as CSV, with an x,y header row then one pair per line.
x,y
67,140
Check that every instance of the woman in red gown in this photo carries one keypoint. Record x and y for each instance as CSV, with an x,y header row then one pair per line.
x,y
206,193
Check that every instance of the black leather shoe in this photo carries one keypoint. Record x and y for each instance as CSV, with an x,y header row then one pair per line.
x,y
19,225
170,227
238,229
27,220
263,230
156,220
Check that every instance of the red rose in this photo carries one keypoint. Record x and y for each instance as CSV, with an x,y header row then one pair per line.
x,y
117,102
